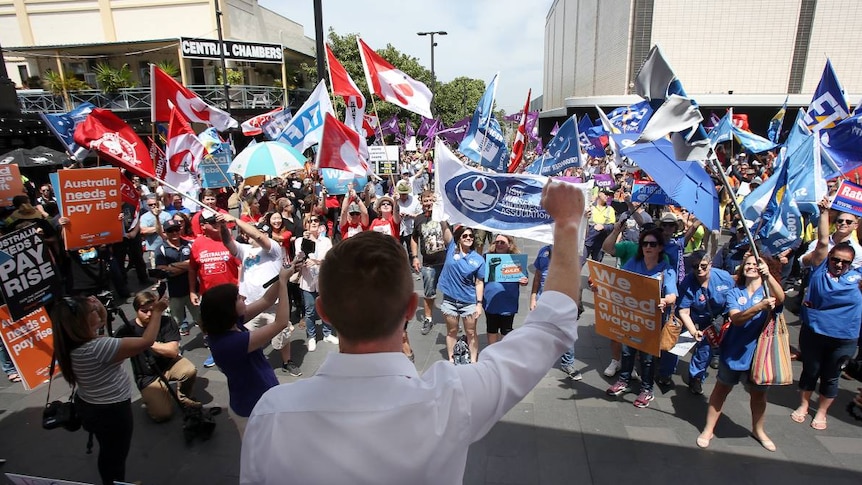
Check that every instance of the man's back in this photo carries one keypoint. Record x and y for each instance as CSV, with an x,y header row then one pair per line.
x,y
356,418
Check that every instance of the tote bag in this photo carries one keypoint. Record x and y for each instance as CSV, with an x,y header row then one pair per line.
x,y
771,365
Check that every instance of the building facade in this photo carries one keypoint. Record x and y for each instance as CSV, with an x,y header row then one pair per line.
x,y
762,50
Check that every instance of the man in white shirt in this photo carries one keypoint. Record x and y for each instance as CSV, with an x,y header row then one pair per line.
x,y
367,404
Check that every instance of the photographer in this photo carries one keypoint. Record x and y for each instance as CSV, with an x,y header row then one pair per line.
x,y
163,357
94,363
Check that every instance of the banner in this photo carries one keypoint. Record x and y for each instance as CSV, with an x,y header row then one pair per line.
x,y
91,200
500,203
627,307
506,268
28,275
650,193
604,180
214,168
384,159
10,184
30,343
848,198
336,181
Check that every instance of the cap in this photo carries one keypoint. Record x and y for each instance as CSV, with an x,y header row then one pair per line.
x,y
402,187
757,180
172,225
669,217
607,191
353,208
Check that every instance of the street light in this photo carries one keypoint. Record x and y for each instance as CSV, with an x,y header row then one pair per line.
x,y
433,44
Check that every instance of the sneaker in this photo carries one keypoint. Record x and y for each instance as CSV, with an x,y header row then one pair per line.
x,y
695,386
576,376
210,362
331,339
621,387
612,368
427,325
713,363
312,344
568,369
184,332
664,381
291,368
644,399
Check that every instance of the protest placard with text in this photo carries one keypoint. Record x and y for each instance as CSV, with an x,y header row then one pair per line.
x,y
650,193
213,169
848,198
30,342
91,200
384,158
627,307
10,184
505,268
28,277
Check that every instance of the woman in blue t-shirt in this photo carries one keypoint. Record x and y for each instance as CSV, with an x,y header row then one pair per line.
x,y
649,261
501,299
830,319
462,284
748,308
239,352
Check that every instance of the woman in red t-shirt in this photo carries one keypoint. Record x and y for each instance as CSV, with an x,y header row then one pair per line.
x,y
251,210
389,220
278,232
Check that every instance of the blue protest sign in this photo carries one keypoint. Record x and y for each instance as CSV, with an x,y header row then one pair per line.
x,y
213,169
650,193
506,268
336,181
849,198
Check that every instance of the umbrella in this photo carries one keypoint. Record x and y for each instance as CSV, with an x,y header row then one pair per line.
x,y
267,158
685,182
34,157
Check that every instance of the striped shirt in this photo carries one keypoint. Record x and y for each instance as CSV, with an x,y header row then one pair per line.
x,y
100,381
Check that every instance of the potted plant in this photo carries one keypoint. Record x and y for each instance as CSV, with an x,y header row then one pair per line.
x,y
111,80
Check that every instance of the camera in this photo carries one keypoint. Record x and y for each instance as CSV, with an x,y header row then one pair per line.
x,y
59,414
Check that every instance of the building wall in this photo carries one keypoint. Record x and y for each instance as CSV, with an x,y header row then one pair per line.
x,y
743,46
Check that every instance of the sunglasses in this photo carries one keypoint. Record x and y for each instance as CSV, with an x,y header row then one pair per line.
x,y
845,221
314,220
151,205
703,265
466,236
844,262
385,203
650,244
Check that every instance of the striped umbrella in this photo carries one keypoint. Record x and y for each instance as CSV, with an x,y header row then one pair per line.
x,y
267,158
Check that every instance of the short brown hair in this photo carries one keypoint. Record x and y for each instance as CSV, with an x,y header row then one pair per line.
x,y
365,286
145,297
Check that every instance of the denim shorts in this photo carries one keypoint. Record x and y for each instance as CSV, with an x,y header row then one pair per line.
x,y
430,277
456,308
730,377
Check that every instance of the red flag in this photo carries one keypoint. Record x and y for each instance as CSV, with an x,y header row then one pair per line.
x,y
107,134
392,84
254,126
342,83
164,88
740,121
369,124
183,145
159,159
520,137
339,148
129,193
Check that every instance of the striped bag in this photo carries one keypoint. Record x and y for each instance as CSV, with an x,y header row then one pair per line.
x,y
771,365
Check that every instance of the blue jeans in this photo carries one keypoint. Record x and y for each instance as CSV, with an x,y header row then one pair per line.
x,y
647,367
667,364
310,297
6,361
700,357
568,359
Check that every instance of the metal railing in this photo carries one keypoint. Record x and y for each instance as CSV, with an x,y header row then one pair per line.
x,y
130,99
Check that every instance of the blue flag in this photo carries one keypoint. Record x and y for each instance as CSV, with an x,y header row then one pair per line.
x,y
484,142
631,119
62,125
306,127
593,146
843,143
775,123
725,129
276,124
828,106
561,153
781,223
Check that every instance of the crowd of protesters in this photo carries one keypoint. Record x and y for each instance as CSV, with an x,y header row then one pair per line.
x,y
282,230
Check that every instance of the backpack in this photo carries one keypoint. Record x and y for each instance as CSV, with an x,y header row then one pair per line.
x,y
461,351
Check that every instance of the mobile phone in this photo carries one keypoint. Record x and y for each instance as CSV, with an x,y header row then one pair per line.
x,y
163,287
308,246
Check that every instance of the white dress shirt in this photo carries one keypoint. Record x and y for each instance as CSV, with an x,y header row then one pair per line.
x,y
372,419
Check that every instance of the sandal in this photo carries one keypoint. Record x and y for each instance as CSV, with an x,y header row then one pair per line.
x,y
767,443
819,425
13,377
703,442
798,417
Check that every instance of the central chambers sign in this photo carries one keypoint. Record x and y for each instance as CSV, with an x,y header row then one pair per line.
x,y
239,51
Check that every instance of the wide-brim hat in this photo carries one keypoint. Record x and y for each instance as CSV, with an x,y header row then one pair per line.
x,y
381,199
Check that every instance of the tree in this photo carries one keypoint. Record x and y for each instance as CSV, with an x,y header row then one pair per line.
x,y
449,98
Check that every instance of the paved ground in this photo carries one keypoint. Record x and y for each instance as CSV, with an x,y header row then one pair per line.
x,y
562,432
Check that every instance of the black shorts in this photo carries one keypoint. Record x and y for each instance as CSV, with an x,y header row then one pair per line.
x,y
501,324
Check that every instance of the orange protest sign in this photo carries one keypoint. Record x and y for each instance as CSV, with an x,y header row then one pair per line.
x,y
10,184
627,307
30,342
91,199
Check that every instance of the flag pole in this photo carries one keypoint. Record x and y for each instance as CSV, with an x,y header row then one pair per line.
x,y
380,130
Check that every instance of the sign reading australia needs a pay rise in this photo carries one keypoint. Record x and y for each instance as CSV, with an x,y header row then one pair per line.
x,y
233,49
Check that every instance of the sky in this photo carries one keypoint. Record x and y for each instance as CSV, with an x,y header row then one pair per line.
x,y
484,36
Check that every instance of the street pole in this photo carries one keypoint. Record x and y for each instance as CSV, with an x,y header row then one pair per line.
x,y
218,13
318,40
433,44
